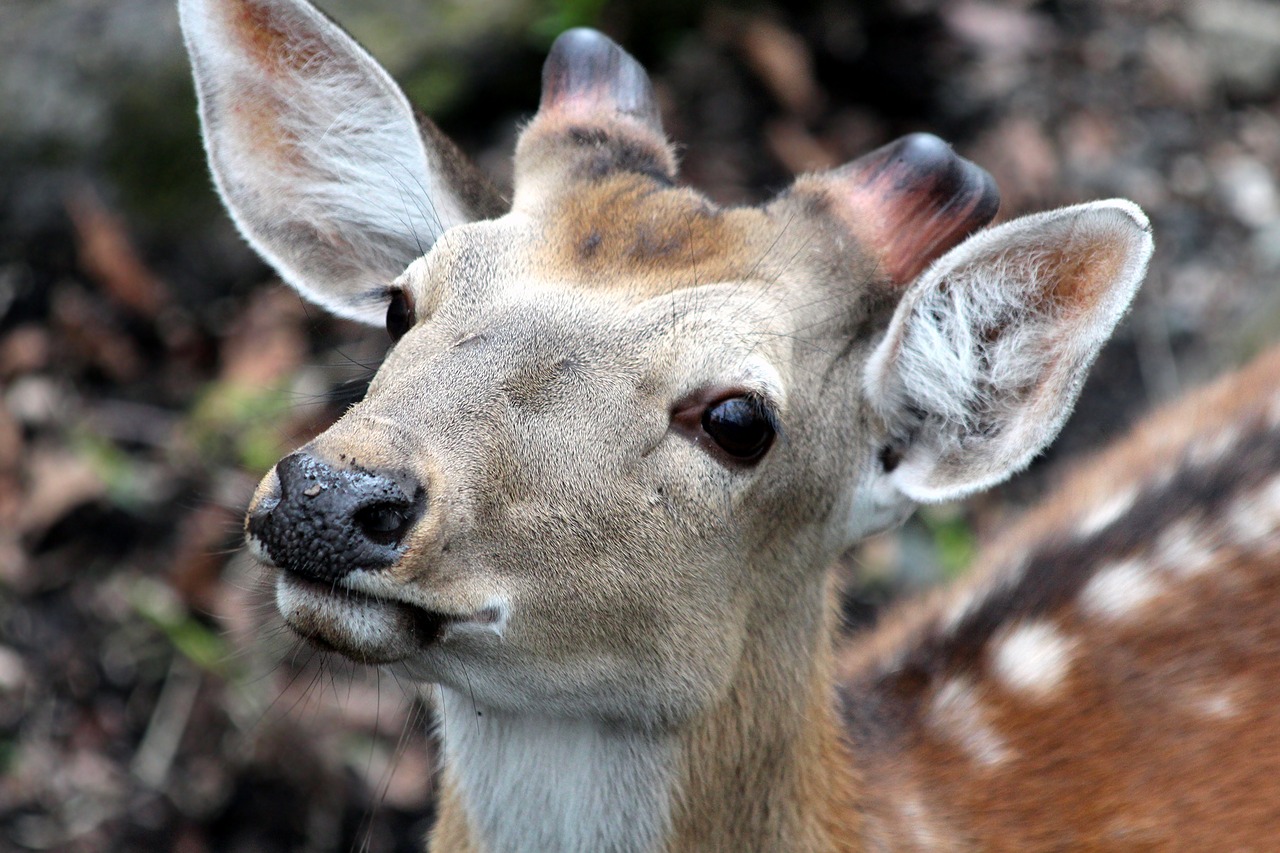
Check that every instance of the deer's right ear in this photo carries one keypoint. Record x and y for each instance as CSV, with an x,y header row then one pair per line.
x,y
317,153
989,347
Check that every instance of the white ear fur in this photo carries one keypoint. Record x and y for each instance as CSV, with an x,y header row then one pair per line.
x,y
987,351
316,152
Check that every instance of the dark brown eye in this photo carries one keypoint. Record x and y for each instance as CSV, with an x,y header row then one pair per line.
x,y
741,426
400,316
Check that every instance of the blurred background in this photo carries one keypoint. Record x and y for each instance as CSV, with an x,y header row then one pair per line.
x,y
151,368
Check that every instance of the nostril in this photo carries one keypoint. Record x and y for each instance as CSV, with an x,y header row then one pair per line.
x,y
385,523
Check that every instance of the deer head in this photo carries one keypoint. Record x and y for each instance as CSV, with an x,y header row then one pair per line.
x,y
620,426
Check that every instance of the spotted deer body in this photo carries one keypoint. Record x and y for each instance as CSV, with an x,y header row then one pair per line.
x,y
1107,679
593,491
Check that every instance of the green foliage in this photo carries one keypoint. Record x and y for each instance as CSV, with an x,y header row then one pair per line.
x,y
238,424
156,603
953,540
556,16
127,487
434,89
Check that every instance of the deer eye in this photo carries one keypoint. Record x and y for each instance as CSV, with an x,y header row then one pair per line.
x,y
741,426
400,315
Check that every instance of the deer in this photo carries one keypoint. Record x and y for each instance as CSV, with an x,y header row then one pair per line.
x,y
593,493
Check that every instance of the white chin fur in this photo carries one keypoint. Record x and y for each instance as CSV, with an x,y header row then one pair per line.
x,y
365,629
258,551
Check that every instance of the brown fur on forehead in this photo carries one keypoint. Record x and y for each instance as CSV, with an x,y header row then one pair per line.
x,y
559,151
631,232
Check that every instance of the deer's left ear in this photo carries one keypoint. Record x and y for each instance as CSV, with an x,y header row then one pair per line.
x,y
988,349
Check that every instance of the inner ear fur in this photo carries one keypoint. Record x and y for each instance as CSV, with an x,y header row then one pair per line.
x,y
988,349
319,157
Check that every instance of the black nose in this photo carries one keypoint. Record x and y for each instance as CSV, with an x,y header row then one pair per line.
x,y
328,522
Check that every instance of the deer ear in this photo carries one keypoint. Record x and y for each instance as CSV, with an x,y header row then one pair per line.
x,y
598,115
988,349
317,153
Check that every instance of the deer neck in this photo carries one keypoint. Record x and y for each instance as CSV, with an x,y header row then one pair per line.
x,y
769,767
766,768
527,783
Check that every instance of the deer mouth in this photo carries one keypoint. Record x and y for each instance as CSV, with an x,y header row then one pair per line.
x,y
363,627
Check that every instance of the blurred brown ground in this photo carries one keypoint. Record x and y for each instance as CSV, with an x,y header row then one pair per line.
x,y
151,368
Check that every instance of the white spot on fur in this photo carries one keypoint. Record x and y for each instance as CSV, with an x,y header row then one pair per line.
x,y
1119,589
1254,519
958,715
1034,658
1213,700
1184,549
1107,512
1218,706
919,822
1214,446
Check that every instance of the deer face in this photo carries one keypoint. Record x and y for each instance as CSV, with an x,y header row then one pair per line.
x,y
561,488
622,431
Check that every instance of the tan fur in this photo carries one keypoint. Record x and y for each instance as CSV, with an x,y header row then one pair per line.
x,y
664,239
768,769
451,832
